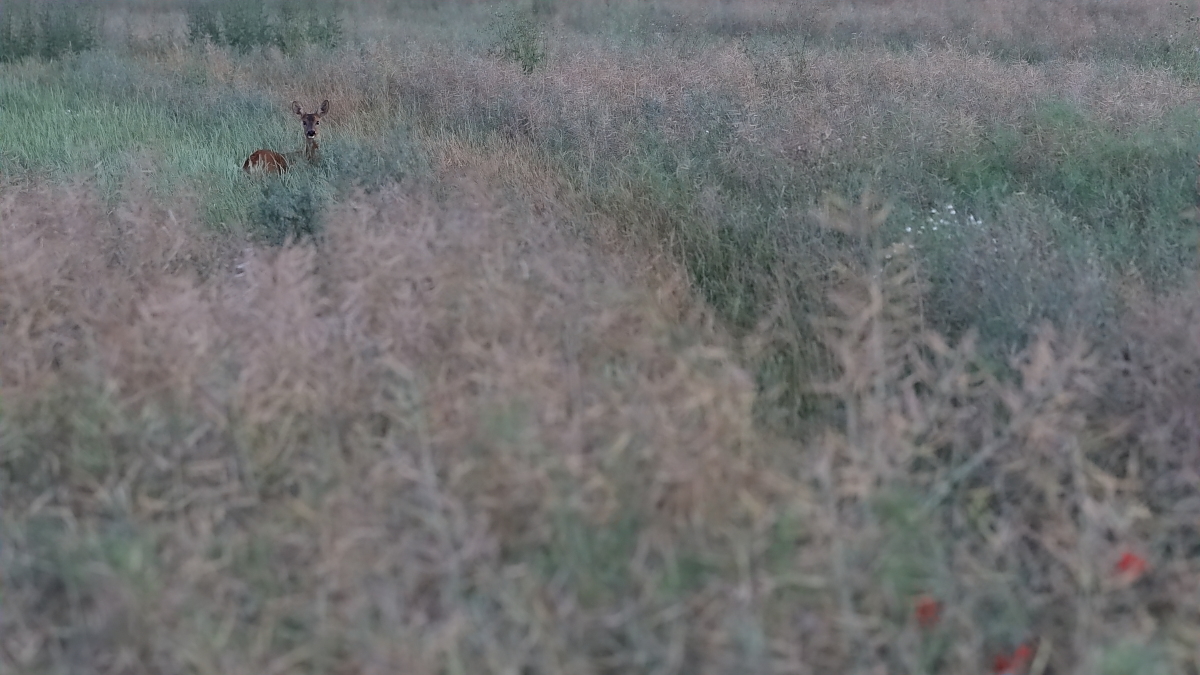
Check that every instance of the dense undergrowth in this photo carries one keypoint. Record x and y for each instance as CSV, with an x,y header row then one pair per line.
x,y
564,359
46,30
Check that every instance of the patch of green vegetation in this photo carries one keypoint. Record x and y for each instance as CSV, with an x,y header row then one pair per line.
x,y
70,435
986,171
60,131
1025,262
49,29
1123,189
1131,657
289,209
1177,50
520,36
369,164
737,219
109,126
243,25
909,556
1057,206
910,562
308,23
593,559
733,249
60,566
686,573
598,560
105,118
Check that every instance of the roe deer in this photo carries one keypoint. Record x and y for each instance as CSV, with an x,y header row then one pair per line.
x,y
269,161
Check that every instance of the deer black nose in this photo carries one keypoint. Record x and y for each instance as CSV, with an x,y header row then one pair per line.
x,y
311,134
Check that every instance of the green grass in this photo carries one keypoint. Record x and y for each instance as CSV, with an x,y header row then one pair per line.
x,y
61,131
46,30
254,24
519,37
1110,202
96,116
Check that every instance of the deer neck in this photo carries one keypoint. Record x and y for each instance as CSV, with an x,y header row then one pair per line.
x,y
311,152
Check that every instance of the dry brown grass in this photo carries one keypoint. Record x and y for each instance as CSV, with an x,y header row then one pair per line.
x,y
799,110
416,397
452,435
1064,23
1012,27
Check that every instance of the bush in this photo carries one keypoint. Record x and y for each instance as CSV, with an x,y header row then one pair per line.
x,y
1126,185
46,30
307,25
519,37
246,25
369,166
1025,265
203,22
290,209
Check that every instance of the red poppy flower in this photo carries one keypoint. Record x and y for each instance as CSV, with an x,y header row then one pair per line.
x,y
928,611
1014,663
1131,566
1022,655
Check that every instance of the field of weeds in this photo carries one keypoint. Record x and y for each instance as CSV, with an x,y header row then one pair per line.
x,y
667,336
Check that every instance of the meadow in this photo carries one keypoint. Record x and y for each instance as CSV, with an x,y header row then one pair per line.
x,y
664,336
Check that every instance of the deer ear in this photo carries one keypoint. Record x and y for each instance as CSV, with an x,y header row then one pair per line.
x,y
324,107
296,107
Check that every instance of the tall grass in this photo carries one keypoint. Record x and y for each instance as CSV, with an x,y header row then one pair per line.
x,y
565,360
45,30
453,416
105,116
243,26
713,146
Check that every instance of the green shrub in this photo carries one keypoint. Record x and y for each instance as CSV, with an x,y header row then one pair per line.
x,y
203,22
289,210
1130,657
519,37
1125,188
779,64
368,166
245,25
1025,263
307,25
46,30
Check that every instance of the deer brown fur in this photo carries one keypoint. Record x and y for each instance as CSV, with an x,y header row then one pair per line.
x,y
269,161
